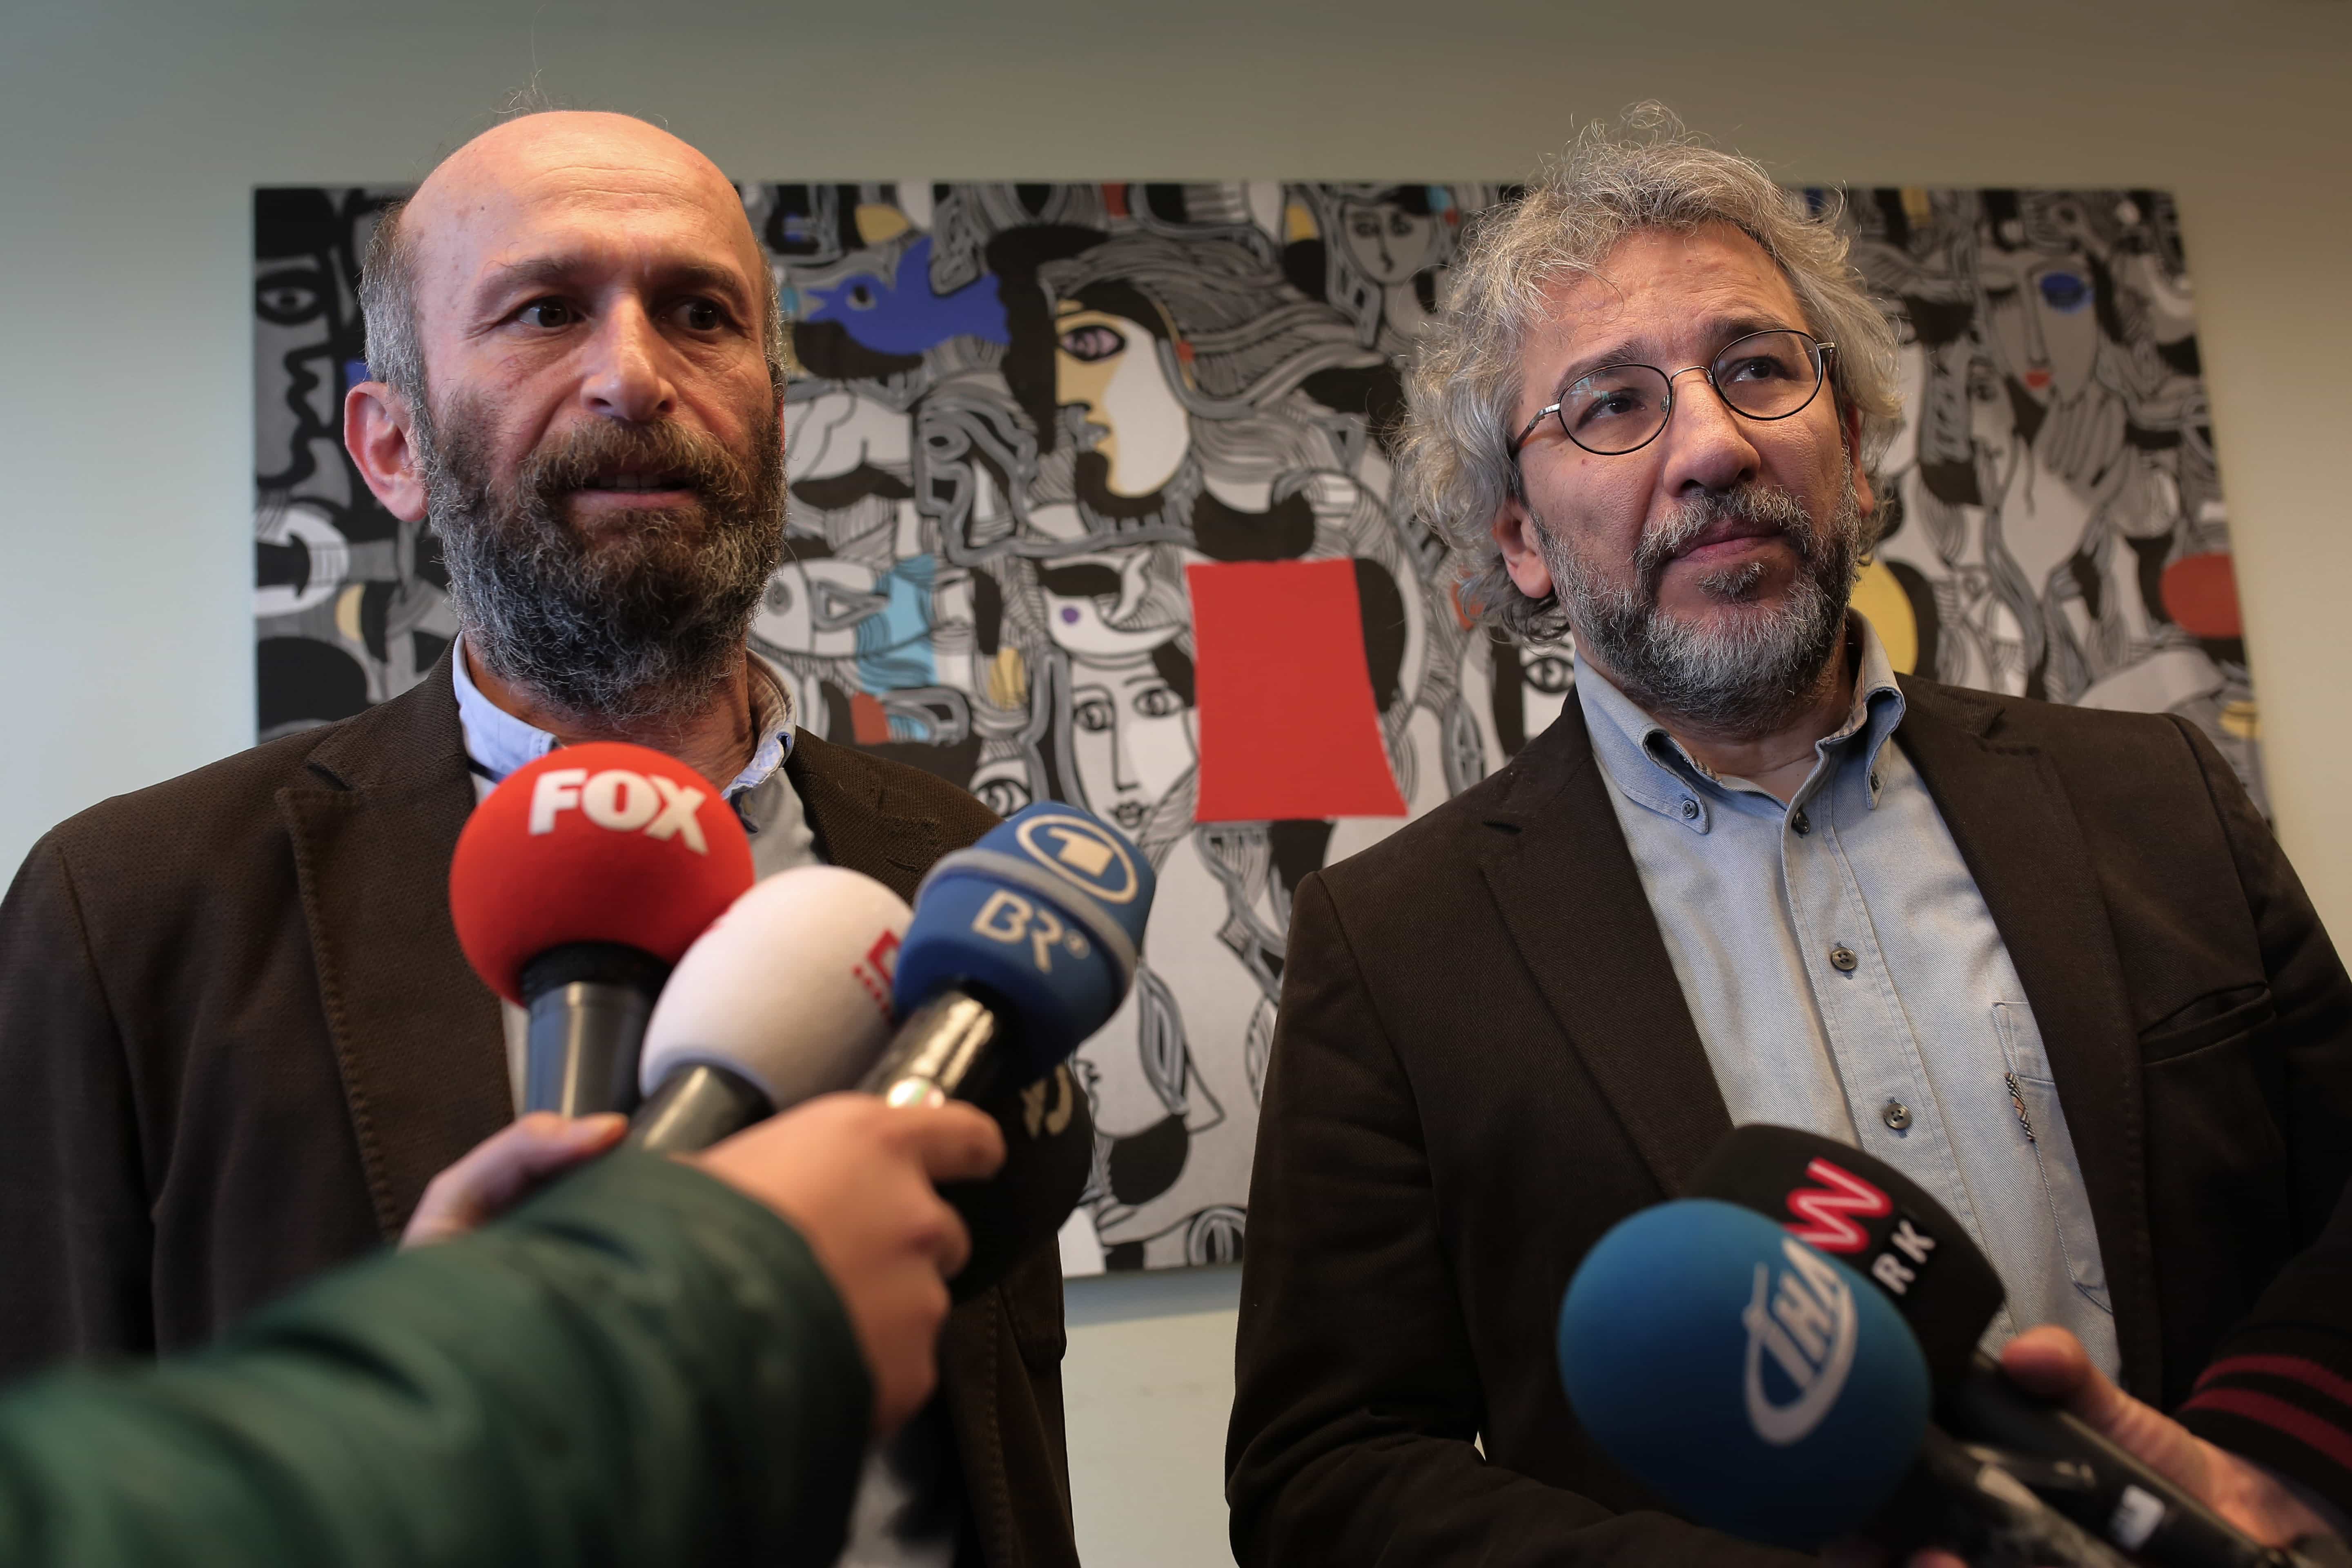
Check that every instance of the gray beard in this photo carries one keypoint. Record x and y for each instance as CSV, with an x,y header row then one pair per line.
x,y
644,625
1746,678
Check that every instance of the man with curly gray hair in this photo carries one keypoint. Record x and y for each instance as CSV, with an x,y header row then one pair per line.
x,y
1750,875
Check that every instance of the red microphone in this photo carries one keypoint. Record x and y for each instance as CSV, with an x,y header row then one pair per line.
x,y
576,886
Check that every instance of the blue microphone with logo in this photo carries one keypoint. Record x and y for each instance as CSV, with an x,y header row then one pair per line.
x,y
1021,947
1766,1389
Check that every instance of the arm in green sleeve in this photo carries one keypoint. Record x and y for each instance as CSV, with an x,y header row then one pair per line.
x,y
639,1366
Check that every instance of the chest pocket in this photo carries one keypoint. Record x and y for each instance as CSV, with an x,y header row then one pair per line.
x,y
2033,1095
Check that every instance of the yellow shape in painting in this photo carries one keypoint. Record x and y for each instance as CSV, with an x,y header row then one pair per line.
x,y
2239,719
347,612
1888,608
1008,678
1299,223
878,222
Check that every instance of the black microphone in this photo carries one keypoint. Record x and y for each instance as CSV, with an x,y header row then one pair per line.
x,y
1049,1151
1873,1217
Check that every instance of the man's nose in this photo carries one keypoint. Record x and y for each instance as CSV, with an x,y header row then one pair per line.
x,y
1708,446
627,375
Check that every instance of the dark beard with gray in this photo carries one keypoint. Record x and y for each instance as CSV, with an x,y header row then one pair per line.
x,y
643,622
1745,677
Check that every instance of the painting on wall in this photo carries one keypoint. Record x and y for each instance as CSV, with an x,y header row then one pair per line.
x,y
1089,499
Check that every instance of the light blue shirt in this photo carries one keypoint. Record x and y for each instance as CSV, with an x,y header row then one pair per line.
x,y
1845,977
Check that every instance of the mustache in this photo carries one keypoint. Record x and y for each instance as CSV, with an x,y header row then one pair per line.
x,y
600,448
1753,503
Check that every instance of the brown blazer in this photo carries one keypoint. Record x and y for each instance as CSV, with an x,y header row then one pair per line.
x,y
1484,1060
237,1038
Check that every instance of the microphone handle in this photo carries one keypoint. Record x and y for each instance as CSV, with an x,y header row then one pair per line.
x,y
938,1054
2115,1494
1992,1519
695,1107
589,1002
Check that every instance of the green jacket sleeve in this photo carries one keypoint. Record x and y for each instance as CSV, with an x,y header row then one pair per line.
x,y
639,1366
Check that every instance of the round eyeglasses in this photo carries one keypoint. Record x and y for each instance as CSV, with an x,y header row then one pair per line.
x,y
1622,409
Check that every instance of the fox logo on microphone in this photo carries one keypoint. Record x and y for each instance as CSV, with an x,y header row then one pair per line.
x,y
621,800
1802,1317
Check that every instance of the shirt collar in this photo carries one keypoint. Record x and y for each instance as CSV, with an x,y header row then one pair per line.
x,y
497,743
1651,768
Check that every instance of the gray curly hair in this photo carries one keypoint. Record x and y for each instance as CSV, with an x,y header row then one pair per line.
x,y
1462,392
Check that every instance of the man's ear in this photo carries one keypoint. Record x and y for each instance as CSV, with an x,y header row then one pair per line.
x,y
376,422
1515,532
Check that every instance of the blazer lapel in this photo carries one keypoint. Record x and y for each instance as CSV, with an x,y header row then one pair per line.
x,y
2008,813
1606,977
416,1035
855,823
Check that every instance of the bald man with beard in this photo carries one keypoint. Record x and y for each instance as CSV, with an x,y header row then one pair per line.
x,y
238,1036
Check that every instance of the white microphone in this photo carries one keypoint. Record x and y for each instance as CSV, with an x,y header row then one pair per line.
x,y
785,997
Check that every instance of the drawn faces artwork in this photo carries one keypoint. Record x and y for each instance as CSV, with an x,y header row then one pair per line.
x,y
1078,474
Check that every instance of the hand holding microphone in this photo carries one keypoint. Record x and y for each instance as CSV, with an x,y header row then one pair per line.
x,y
1918,1257
856,1179
576,885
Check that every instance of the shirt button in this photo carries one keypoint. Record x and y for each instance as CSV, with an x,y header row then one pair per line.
x,y
1843,960
1897,1115
1799,822
1690,810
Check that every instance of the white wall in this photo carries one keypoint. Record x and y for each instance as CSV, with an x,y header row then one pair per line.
x,y
132,132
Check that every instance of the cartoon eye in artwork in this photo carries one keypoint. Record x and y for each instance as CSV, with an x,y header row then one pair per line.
x,y
290,296
1400,223
2065,292
1002,796
1088,343
861,295
1091,713
1364,225
1550,674
1158,702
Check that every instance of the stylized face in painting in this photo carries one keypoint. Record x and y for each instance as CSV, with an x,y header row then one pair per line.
x,y
1707,570
1388,242
1109,366
2041,308
1131,734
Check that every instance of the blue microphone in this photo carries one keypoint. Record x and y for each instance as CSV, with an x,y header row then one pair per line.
x,y
1766,1389
1021,947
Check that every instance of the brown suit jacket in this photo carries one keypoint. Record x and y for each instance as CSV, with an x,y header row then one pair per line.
x,y
237,1038
1484,1060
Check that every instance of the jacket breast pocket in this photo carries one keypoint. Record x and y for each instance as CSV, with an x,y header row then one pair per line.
x,y
2207,1021
2033,1093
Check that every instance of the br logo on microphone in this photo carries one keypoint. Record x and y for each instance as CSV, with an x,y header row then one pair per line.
x,y
1009,918
1085,853
1802,1316
622,801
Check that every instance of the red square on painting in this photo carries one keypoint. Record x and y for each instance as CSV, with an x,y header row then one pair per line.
x,y
1283,694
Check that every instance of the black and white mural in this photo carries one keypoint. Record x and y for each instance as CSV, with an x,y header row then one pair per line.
x,y
1089,501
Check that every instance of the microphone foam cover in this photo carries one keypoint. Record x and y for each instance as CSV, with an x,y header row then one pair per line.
x,y
1871,1217
605,842
1042,919
790,987
1758,1385
1049,1153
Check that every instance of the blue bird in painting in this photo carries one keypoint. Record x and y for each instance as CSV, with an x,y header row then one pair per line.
x,y
900,315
